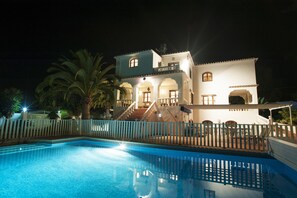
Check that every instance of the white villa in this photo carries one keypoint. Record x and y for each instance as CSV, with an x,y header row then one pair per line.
x,y
165,85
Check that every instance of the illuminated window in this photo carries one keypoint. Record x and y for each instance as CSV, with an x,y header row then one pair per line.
x,y
173,64
133,62
206,76
208,99
173,95
146,96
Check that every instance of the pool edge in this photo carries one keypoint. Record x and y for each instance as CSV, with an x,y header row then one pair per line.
x,y
182,148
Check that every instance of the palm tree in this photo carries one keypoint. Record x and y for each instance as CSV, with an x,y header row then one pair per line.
x,y
84,76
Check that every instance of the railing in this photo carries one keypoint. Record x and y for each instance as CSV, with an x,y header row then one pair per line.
x,y
127,112
284,132
245,137
27,129
168,101
166,68
150,110
123,103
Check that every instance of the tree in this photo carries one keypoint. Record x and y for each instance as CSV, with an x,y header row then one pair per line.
x,y
83,76
10,102
285,116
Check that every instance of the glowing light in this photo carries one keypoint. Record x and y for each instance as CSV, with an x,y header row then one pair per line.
x,y
160,115
25,109
161,180
185,63
122,146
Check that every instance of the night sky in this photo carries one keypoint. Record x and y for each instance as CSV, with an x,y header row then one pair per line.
x,y
34,34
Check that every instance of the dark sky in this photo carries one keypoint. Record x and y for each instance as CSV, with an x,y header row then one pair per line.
x,y
34,34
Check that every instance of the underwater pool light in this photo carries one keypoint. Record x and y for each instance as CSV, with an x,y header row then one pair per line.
x,y
122,146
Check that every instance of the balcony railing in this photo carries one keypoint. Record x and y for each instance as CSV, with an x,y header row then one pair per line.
x,y
166,68
124,103
168,101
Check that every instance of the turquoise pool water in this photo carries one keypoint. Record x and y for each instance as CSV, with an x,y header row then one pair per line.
x,y
102,169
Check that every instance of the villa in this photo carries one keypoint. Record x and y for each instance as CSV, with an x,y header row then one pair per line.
x,y
179,90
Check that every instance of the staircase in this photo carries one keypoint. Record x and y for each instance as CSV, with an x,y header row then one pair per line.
x,y
137,114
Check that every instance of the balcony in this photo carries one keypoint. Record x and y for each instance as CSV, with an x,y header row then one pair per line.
x,y
166,68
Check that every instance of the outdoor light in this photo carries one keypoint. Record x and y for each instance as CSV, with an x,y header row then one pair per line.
x,y
160,115
25,109
185,63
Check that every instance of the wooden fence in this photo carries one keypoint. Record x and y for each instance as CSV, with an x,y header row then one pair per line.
x,y
250,137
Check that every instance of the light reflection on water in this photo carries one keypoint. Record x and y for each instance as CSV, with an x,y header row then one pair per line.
x,y
85,169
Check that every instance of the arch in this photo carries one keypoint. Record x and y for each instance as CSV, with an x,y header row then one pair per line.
x,y
240,96
208,122
168,92
129,91
145,94
125,99
206,76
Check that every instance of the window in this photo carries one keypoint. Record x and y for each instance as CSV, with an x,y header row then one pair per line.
x,y
208,99
133,62
173,64
146,97
173,95
206,76
209,193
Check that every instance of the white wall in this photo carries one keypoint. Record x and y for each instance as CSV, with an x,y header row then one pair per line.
x,y
184,58
227,77
156,59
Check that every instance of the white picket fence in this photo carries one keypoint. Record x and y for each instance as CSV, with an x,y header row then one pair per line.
x,y
250,137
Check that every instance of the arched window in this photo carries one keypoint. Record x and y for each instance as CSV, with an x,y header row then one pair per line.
x,y
207,122
206,76
133,62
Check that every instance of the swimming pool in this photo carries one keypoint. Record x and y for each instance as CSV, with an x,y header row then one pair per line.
x,y
87,168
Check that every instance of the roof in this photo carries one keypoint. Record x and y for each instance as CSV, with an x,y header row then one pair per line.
x,y
155,74
175,53
152,51
134,53
293,104
235,60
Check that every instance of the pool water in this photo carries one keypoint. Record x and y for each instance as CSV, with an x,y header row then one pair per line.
x,y
103,169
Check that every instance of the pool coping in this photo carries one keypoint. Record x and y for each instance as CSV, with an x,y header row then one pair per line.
x,y
224,151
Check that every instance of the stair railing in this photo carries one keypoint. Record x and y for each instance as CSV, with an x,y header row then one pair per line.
x,y
174,118
151,109
127,112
